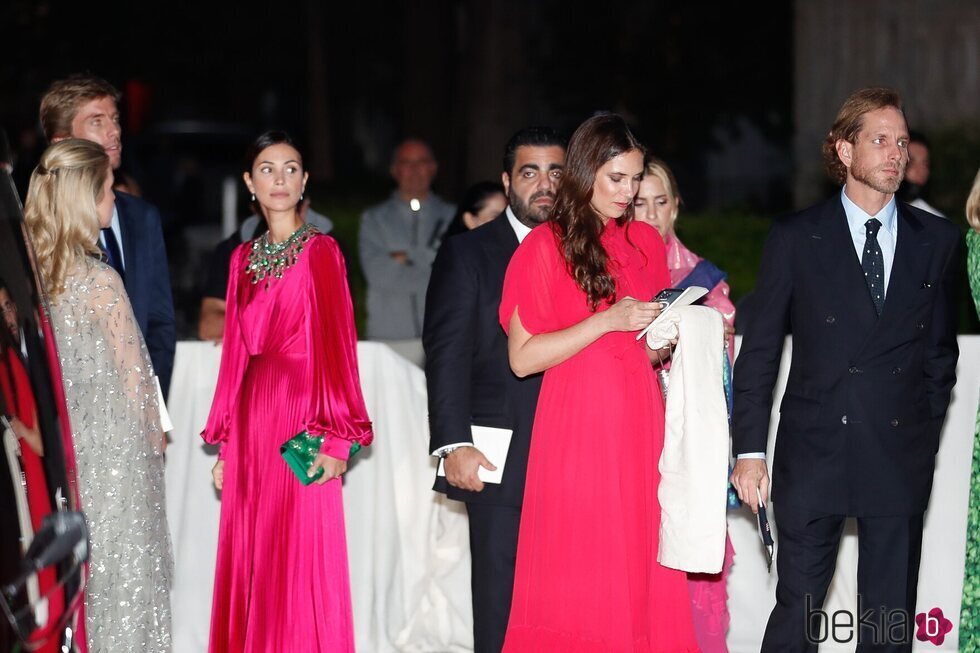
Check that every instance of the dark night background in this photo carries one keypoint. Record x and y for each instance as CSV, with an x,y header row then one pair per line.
x,y
708,87
443,70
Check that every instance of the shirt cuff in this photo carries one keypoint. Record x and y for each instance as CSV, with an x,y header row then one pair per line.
x,y
752,455
336,447
458,445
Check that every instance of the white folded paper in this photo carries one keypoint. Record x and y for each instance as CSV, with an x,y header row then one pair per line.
x,y
494,444
165,424
690,295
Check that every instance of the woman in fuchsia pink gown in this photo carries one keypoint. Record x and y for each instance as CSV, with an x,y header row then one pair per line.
x,y
289,364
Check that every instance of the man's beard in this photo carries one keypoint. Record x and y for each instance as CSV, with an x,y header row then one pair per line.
x,y
527,213
869,177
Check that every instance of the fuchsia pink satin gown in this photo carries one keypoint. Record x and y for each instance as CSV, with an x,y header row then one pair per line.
x,y
289,363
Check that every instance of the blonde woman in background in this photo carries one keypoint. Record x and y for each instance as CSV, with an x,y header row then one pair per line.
x,y
657,203
970,615
112,401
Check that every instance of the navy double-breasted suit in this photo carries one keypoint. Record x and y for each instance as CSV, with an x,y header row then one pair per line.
x,y
860,419
866,395
147,280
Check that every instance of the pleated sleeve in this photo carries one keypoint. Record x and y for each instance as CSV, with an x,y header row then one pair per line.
x,y
234,357
528,284
336,408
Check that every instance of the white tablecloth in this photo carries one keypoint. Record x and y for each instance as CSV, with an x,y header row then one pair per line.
x,y
408,547
751,591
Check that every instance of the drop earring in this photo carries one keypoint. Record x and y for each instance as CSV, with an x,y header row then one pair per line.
x,y
253,197
301,197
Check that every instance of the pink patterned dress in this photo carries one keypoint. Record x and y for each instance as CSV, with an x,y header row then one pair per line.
x,y
681,262
709,594
289,363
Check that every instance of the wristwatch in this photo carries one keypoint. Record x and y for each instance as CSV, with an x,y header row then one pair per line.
x,y
448,450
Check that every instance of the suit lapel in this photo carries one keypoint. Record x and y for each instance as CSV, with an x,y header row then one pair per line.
x,y
504,242
911,253
840,267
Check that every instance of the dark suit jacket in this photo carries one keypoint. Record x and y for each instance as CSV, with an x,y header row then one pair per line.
x,y
866,396
148,281
466,366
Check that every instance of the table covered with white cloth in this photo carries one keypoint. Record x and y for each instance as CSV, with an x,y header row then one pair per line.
x,y
752,592
409,550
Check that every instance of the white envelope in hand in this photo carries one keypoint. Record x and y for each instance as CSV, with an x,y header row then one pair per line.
x,y
494,444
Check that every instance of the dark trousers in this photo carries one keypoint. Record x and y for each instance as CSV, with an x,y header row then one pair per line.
x,y
888,574
493,547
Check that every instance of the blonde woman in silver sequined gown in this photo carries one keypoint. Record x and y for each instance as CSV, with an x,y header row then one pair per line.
x,y
112,402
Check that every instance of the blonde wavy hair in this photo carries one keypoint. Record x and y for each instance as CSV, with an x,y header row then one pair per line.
x,y
659,169
973,204
62,208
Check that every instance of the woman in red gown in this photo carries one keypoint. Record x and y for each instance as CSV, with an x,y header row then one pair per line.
x,y
575,295
21,413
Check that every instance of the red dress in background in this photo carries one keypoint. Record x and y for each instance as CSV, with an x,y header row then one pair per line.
x,y
587,577
19,398
709,592
289,363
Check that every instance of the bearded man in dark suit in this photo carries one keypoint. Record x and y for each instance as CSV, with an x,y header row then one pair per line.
x,y
86,107
865,285
469,377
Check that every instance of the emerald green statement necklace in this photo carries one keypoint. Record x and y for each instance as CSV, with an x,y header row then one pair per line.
x,y
268,261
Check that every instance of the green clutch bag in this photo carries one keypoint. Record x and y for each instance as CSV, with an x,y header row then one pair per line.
x,y
301,450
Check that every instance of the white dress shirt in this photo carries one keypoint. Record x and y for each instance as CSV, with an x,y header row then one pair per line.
x,y
117,232
887,234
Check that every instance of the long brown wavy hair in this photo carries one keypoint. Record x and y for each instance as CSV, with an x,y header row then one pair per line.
x,y
597,140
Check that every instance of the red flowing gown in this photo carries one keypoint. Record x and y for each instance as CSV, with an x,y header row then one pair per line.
x,y
289,363
587,577
19,399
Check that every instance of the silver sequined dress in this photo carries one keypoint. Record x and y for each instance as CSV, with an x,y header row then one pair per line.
x,y
115,422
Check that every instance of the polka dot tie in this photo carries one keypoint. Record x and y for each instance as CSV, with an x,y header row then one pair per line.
x,y
874,264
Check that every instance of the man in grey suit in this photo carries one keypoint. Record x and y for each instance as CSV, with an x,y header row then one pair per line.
x,y
398,241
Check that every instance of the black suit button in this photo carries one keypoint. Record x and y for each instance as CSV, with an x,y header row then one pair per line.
x,y
854,370
897,370
895,422
920,326
831,319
